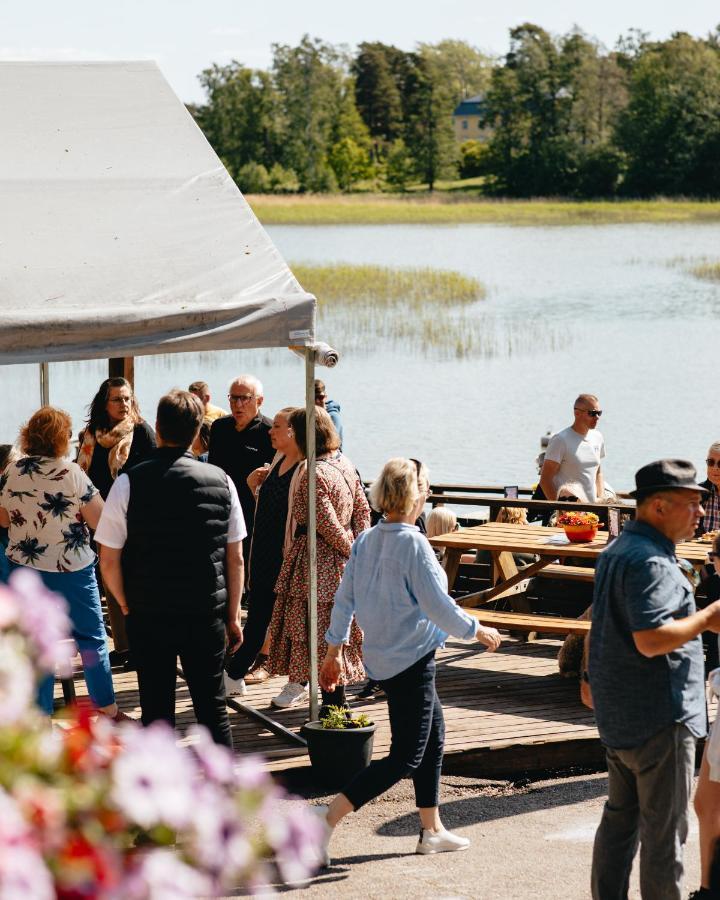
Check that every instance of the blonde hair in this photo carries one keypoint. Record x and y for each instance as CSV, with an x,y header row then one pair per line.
x,y
440,521
396,488
512,515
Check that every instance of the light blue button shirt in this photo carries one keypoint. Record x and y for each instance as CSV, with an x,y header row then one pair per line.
x,y
397,590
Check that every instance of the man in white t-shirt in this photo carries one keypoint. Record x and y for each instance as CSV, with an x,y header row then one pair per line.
x,y
574,455
170,539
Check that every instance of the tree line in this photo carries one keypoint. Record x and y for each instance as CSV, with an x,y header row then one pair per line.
x,y
564,116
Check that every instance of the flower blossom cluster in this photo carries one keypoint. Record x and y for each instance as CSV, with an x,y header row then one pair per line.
x,y
590,520
95,810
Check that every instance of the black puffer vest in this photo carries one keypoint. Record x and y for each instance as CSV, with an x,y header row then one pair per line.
x,y
174,559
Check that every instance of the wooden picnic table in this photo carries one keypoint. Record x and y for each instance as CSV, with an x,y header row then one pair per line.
x,y
502,540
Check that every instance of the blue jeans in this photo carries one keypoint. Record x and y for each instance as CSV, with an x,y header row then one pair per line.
x,y
81,592
417,739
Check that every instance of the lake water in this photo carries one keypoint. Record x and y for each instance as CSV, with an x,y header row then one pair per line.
x,y
609,310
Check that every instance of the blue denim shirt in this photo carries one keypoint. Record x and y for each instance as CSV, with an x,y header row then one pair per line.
x,y
397,590
639,586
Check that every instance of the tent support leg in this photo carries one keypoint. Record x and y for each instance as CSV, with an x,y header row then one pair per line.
x,y
122,367
311,530
44,384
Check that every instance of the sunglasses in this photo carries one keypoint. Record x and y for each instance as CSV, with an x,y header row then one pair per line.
x,y
595,413
712,463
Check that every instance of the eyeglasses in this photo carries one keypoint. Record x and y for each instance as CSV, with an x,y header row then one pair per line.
x,y
241,398
595,413
712,463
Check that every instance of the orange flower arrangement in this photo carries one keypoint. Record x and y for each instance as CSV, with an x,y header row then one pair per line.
x,y
588,519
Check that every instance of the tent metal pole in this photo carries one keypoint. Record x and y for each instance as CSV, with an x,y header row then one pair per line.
x,y
311,529
44,384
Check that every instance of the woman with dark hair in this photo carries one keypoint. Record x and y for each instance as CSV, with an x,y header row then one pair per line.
x,y
268,543
342,513
47,503
115,438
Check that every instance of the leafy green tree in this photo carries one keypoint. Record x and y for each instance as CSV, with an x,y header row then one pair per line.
x,y
473,159
253,178
429,134
398,165
670,129
350,163
239,117
380,72
464,70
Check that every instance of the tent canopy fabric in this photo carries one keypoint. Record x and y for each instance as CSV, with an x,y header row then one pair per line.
x,y
121,233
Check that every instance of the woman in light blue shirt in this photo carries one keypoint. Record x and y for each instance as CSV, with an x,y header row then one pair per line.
x,y
397,591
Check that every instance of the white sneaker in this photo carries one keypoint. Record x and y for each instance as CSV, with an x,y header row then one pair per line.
x,y
323,853
440,842
234,687
291,695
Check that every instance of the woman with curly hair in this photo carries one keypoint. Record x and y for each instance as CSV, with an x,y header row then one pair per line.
x,y
115,438
47,504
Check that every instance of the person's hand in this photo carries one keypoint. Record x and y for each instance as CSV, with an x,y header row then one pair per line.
x,y
234,636
488,636
586,694
330,672
256,477
123,606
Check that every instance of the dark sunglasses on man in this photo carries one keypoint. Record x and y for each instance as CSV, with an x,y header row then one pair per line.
x,y
712,463
595,413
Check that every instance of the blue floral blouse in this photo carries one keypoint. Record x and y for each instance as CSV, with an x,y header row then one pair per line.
x,y
43,498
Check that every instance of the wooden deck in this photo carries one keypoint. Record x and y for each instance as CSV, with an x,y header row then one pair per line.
x,y
506,713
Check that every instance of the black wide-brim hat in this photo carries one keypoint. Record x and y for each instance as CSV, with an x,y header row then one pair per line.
x,y
666,474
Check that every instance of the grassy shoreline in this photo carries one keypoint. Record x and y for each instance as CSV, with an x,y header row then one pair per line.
x,y
457,209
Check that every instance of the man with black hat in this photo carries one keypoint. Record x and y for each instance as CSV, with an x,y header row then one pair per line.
x,y
647,679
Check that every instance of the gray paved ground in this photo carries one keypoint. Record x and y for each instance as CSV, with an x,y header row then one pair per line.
x,y
527,842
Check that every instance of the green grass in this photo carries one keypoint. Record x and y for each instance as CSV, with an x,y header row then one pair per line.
x,y
450,208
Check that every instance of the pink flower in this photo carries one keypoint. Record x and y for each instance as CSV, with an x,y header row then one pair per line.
x,y
17,680
250,774
218,839
153,777
295,833
43,618
217,763
162,875
24,875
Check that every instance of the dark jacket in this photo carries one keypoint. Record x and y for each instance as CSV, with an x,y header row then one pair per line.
x,y
240,452
178,515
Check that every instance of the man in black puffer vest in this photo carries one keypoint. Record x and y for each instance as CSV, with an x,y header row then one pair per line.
x,y
170,541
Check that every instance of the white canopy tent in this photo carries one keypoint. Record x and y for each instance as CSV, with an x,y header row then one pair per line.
x,y
122,234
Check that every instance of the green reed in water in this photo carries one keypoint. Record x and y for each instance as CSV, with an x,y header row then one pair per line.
x,y
707,270
428,312
379,285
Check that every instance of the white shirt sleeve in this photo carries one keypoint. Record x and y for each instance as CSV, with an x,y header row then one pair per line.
x,y
556,449
112,527
237,529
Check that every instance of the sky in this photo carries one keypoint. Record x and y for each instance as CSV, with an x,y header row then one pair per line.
x,y
186,36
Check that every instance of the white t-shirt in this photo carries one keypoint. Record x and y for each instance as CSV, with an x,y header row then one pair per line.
x,y
579,459
112,527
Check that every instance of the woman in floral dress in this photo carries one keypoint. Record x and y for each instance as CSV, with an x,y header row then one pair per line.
x,y
47,504
342,513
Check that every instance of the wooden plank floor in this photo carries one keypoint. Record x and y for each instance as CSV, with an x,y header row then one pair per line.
x,y
504,712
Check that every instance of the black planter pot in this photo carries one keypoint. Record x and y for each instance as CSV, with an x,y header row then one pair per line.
x,y
337,754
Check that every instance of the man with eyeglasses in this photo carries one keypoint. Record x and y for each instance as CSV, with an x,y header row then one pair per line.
x,y
240,442
574,455
647,681
711,520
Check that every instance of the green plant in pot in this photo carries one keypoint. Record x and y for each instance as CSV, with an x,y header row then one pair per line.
x,y
340,745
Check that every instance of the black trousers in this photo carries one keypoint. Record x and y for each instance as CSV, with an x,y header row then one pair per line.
x,y
155,644
417,732
260,608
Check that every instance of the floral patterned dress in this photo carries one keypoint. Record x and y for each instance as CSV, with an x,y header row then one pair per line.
x,y
44,498
342,513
